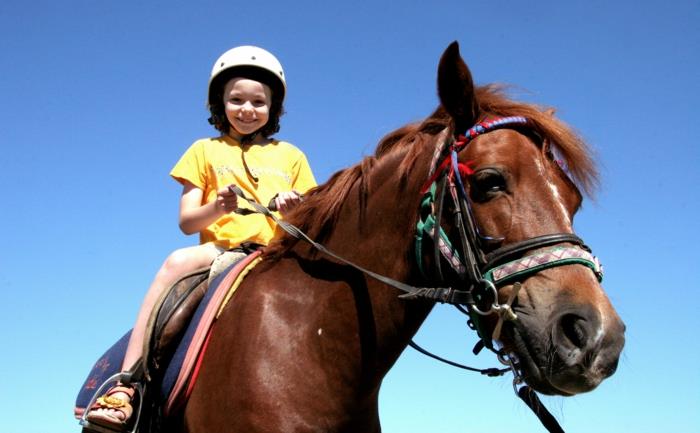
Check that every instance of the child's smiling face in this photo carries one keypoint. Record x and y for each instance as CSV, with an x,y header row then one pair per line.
x,y
247,105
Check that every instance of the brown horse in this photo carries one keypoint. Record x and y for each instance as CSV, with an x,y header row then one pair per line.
x,y
307,339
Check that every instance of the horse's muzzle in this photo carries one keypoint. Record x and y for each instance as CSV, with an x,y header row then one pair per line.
x,y
586,346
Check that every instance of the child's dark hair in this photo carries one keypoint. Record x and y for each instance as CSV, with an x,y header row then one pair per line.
x,y
216,99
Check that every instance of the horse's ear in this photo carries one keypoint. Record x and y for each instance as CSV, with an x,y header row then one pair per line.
x,y
456,89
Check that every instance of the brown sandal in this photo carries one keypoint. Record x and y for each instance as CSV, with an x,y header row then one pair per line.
x,y
107,401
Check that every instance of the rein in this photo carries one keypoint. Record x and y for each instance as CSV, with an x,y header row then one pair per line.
x,y
480,273
440,294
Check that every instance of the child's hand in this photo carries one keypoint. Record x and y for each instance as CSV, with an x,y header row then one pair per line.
x,y
286,201
226,200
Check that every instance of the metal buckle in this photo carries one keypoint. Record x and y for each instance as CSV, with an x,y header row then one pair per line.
x,y
488,285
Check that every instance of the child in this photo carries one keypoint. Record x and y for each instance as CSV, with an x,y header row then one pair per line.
x,y
246,91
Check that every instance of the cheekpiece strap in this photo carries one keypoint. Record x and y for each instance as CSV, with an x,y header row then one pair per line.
x,y
426,227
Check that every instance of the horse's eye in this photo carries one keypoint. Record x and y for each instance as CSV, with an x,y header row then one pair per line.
x,y
486,184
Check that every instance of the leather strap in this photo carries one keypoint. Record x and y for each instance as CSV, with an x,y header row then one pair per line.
x,y
504,253
439,294
529,396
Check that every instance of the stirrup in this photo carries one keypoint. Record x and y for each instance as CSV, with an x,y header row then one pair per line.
x,y
126,379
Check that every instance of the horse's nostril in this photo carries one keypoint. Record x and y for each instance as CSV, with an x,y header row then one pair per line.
x,y
573,328
585,348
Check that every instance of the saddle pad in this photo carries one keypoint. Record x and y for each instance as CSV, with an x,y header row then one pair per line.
x,y
179,378
181,366
109,364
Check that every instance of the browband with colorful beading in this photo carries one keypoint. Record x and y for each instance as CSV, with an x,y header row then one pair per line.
x,y
442,152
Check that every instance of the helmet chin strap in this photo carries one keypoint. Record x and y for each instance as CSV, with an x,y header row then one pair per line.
x,y
250,174
248,138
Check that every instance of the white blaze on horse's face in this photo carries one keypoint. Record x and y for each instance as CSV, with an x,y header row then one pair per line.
x,y
556,196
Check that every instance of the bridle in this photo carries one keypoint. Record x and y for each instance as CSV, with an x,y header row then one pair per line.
x,y
483,273
479,274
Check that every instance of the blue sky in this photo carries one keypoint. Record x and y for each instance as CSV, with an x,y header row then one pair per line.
x,y
98,100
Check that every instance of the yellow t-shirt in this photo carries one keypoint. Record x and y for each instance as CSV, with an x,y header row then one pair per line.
x,y
214,163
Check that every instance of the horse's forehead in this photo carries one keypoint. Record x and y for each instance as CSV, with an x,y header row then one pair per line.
x,y
522,157
507,146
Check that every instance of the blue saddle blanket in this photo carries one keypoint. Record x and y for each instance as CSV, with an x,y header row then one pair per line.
x,y
110,362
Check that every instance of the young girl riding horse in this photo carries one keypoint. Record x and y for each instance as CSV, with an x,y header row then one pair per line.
x,y
246,91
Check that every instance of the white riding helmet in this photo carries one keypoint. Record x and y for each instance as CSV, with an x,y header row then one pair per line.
x,y
248,57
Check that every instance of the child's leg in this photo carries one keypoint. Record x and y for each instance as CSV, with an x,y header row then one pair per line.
x,y
178,263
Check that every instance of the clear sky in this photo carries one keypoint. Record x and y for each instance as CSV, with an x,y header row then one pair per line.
x,y
98,99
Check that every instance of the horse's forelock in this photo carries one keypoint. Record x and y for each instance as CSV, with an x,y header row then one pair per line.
x,y
578,156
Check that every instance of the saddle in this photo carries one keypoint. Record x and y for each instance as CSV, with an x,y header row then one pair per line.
x,y
174,344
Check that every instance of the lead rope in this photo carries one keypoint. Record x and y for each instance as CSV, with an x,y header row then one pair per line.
x,y
529,396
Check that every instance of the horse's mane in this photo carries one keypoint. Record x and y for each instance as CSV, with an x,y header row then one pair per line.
x,y
321,206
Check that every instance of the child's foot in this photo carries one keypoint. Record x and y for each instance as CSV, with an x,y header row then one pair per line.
x,y
113,409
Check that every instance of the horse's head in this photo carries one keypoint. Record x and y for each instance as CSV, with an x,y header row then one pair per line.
x,y
522,186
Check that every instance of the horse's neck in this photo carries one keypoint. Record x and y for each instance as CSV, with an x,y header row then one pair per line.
x,y
381,240
378,234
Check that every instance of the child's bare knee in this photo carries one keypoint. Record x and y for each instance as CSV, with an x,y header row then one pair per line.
x,y
178,261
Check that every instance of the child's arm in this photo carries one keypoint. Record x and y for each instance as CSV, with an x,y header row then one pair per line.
x,y
195,216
